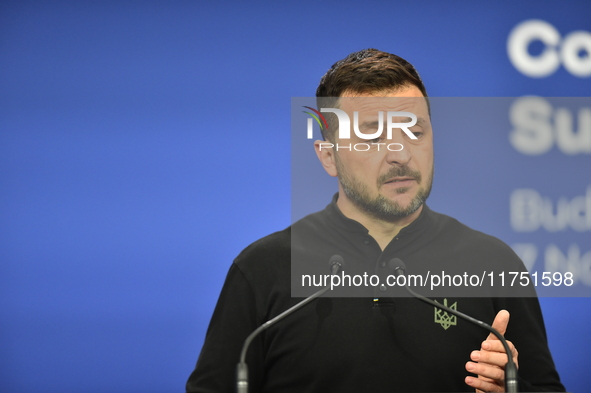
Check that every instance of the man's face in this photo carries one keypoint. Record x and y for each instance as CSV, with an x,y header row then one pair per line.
x,y
386,185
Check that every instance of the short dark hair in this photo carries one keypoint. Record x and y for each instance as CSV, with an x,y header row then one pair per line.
x,y
366,71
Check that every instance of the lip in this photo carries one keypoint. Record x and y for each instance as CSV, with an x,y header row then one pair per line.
x,y
401,182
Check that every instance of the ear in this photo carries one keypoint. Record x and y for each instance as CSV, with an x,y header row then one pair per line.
x,y
325,153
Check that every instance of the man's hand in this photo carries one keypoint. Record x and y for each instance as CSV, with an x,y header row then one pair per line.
x,y
489,363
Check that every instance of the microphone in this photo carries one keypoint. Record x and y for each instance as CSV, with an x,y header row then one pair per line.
x,y
336,263
510,369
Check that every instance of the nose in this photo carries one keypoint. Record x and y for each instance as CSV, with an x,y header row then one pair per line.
x,y
398,150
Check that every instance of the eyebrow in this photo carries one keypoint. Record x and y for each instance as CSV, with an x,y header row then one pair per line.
x,y
420,122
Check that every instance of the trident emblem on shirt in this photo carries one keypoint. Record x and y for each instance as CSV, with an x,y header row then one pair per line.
x,y
443,318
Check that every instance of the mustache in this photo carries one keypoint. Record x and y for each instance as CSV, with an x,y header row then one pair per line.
x,y
399,171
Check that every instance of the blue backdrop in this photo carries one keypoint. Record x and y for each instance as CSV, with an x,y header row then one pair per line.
x,y
144,144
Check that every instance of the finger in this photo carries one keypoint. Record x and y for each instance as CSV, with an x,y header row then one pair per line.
x,y
487,372
490,381
497,346
500,324
496,359
482,385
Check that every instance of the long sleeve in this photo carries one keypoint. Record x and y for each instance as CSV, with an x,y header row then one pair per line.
x,y
233,320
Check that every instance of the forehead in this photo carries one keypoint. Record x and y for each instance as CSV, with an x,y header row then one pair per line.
x,y
408,99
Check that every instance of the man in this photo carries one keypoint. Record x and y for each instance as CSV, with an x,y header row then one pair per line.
x,y
379,343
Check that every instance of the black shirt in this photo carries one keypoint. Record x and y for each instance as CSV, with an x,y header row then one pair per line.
x,y
344,344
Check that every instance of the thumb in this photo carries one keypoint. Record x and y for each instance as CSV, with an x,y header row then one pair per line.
x,y
500,323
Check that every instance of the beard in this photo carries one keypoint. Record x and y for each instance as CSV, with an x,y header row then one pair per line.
x,y
379,206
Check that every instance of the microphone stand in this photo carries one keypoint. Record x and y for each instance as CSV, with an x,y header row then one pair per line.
x,y
511,385
336,262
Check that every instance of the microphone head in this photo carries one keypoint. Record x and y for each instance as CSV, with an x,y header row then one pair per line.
x,y
397,265
336,262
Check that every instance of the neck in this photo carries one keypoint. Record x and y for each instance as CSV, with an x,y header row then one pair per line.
x,y
381,230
